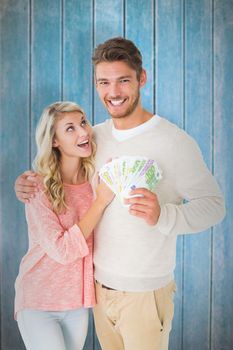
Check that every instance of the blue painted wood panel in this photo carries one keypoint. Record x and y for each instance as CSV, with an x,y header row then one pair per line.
x,y
14,145
46,58
77,52
222,296
169,97
199,124
45,55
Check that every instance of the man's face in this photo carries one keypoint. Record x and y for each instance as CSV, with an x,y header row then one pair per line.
x,y
118,88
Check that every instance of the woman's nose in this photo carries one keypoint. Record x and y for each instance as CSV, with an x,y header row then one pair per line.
x,y
82,131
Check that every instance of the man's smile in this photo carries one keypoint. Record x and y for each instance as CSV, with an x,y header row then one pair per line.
x,y
116,102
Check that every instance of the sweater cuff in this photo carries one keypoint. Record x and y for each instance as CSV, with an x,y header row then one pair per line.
x,y
166,219
82,243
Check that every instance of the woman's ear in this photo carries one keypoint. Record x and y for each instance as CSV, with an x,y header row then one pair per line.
x,y
55,143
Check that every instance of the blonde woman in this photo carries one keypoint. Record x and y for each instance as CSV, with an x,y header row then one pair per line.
x,y
55,288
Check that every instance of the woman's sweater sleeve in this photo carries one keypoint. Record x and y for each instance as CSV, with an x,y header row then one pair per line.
x,y
203,204
63,245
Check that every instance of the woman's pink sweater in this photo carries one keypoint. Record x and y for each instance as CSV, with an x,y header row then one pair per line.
x,y
56,274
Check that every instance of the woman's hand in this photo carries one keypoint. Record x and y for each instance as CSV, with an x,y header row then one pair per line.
x,y
104,194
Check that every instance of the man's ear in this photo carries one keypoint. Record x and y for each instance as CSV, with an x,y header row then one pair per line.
x,y
143,78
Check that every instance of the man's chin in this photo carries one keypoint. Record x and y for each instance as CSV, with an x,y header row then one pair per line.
x,y
118,115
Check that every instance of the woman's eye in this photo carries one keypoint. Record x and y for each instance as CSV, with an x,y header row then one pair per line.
x,y
70,128
84,122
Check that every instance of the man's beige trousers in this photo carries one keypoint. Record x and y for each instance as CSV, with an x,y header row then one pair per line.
x,y
134,320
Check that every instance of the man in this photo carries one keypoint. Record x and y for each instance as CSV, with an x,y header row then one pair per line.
x,y
135,254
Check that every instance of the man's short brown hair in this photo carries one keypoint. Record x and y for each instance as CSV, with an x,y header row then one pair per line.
x,y
119,49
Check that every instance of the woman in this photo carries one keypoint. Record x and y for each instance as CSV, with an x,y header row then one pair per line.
x,y
55,286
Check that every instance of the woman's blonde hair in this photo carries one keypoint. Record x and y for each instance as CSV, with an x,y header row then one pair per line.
x,y
47,160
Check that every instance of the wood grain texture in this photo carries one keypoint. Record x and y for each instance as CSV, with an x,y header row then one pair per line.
x,y
77,52
46,58
169,102
222,299
198,123
14,155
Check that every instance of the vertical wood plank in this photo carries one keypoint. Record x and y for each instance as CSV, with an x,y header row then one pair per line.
x,y
14,75
77,64
143,36
222,302
108,23
47,57
169,60
198,123
169,103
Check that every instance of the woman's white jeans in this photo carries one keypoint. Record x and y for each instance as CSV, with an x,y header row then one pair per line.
x,y
53,330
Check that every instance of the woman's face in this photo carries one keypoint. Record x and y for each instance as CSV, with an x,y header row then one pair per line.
x,y
73,135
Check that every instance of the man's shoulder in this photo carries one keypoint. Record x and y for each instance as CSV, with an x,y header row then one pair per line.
x,y
175,136
172,128
102,127
168,128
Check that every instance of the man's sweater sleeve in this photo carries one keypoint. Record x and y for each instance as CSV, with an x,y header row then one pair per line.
x,y
203,204
63,245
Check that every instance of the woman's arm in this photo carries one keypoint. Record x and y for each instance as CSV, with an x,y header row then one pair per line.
x,y
104,196
64,245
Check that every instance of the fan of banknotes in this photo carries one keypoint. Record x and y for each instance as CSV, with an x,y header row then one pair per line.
x,y
129,172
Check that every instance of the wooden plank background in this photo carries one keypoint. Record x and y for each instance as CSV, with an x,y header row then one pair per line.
x,y
187,47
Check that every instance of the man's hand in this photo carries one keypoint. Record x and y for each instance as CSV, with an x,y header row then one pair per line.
x,y
146,206
26,186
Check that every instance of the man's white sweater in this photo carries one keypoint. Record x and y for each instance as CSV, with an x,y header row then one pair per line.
x,y
129,254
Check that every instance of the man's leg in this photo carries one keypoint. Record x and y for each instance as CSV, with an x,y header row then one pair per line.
x,y
140,320
164,300
105,320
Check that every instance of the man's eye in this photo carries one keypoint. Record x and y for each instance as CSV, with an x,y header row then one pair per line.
x,y
103,83
124,80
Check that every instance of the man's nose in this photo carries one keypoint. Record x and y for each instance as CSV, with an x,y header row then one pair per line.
x,y
114,89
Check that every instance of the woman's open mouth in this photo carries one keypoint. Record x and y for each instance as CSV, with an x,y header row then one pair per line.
x,y
84,144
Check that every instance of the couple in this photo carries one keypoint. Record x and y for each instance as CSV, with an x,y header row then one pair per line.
x,y
134,247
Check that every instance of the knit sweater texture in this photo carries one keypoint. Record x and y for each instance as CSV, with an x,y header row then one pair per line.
x,y
56,273
129,254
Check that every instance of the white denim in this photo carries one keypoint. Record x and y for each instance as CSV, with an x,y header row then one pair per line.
x,y
47,330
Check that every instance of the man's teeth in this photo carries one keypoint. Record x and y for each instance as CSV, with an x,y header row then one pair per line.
x,y
116,102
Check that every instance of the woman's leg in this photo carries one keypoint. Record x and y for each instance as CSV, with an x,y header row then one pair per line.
x,y
40,330
74,326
